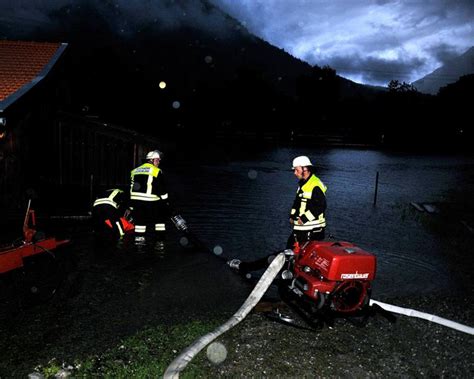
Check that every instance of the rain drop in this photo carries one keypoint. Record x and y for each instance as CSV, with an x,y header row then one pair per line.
x,y
216,352
162,85
217,250
252,174
183,241
176,104
208,59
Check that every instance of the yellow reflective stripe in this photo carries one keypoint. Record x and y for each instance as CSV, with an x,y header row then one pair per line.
x,y
119,228
105,201
320,222
143,196
293,211
160,227
114,193
148,185
310,225
164,196
309,216
140,228
302,207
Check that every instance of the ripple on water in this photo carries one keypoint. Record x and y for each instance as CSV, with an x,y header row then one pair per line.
x,y
248,217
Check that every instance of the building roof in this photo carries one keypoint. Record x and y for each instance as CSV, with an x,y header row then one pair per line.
x,y
22,65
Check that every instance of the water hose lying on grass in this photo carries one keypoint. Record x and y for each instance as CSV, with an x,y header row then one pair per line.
x,y
426,316
181,361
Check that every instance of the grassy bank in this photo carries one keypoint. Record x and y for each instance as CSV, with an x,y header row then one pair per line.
x,y
145,354
258,347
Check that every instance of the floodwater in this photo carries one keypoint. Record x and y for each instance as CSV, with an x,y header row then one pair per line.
x,y
239,206
237,203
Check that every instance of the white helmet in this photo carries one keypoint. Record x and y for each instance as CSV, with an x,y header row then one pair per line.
x,y
302,161
155,154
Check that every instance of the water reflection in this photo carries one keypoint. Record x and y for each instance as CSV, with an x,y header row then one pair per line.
x,y
246,215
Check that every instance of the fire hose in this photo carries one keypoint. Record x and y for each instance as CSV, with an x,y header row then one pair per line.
x,y
181,361
426,316
265,281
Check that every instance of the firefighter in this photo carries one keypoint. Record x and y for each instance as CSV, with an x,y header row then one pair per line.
x,y
149,198
108,213
308,211
307,215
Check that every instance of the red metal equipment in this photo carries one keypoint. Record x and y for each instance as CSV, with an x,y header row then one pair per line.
x,y
31,270
336,275
12,256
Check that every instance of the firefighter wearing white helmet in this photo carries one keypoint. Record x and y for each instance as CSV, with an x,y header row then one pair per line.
x,y
155,154
308,211
149,198
301,161
306,216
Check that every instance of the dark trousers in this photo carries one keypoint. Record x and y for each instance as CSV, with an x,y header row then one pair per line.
x,y
149,216
103,213
304,236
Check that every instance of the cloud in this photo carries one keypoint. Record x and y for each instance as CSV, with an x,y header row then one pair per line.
x,y
171,14
124,16
372,39
365,39
375,70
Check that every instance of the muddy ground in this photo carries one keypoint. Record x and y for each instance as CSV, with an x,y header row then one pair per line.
x,y
407,348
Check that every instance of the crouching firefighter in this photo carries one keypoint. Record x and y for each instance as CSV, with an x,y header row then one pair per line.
x,y
109,214
149,199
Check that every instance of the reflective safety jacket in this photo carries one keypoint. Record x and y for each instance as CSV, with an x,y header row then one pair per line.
x,y
309,204
108,209
147,184
112,197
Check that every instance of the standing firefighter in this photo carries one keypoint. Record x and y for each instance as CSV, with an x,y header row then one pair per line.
x,y
306,216
149,198
307,213
108,214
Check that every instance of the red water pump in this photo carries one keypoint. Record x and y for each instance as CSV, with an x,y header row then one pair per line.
x,y
333,275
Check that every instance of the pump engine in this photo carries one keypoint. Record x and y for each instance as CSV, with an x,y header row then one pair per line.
x,y
333,276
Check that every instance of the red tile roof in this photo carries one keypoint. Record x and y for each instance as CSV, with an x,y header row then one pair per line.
x,y
22,62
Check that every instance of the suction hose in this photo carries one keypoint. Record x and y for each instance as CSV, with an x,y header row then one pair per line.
x,y
181,361
426,316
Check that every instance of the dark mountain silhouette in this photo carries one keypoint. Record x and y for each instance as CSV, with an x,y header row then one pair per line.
x,y
454,103
448,73
217,77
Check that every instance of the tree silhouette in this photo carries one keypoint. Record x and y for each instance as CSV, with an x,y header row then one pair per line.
x,y
401,87
317,97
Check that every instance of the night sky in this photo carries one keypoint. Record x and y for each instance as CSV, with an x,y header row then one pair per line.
x,y
368,41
